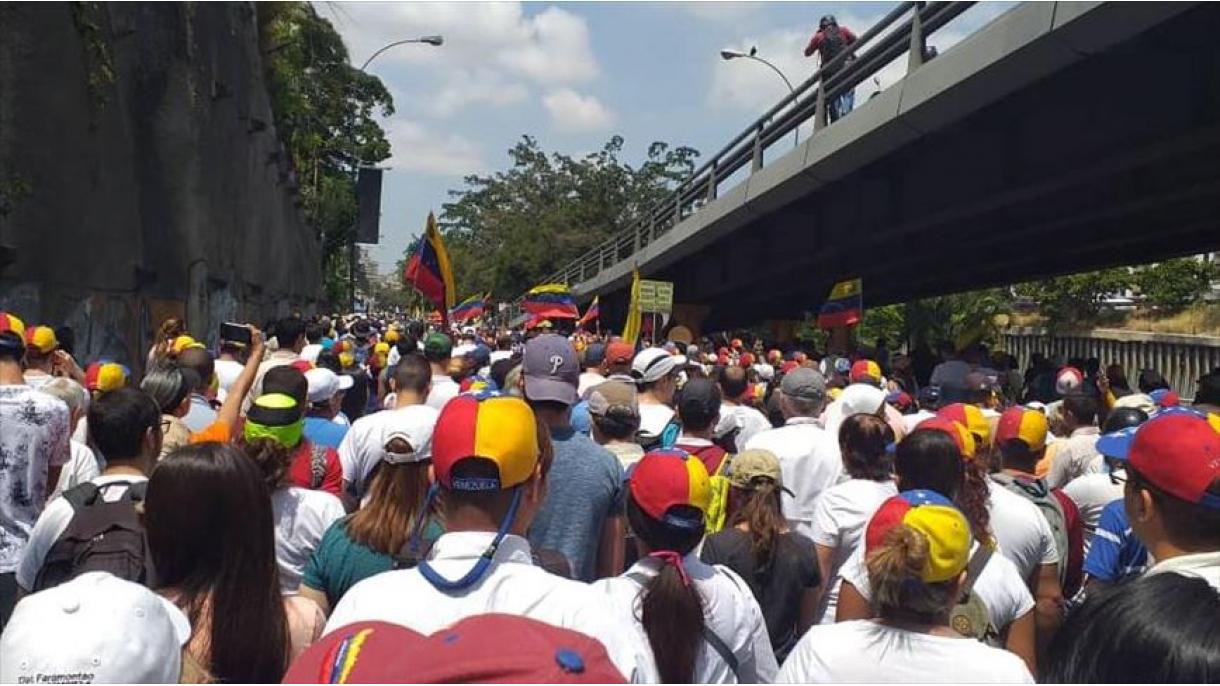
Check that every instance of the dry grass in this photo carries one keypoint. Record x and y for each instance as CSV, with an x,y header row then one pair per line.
x,y
1201,319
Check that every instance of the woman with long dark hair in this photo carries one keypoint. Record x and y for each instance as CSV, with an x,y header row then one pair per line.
x,y
270,437
210,534
999,610
917,551
375,538
701,623
778,564
865,441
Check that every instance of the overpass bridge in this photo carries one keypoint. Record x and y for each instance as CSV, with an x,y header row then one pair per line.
x,y
1058,138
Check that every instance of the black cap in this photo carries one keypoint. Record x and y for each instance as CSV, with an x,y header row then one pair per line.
x,y
699,403
1123,418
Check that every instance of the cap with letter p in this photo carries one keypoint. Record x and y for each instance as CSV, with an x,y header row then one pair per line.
x,y
494,428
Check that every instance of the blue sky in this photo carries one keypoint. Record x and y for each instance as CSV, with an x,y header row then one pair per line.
x,y
572,75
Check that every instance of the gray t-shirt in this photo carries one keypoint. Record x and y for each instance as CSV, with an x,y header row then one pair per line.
x,y
584,488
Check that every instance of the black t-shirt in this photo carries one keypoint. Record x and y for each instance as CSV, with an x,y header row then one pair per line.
x,y
794,571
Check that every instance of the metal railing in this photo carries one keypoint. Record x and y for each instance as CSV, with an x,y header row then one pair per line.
x,y
912,23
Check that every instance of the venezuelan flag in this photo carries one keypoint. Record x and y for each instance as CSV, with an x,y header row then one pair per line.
x,y
552,300
429,269
469,308
592,313
844,307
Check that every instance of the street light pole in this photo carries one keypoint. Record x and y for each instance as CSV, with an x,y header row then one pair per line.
x,y
434,41
727,55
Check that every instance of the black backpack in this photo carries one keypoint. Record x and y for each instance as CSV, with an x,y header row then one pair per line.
x,y
101,537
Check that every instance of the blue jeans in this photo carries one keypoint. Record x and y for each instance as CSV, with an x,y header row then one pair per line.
x,y
842,105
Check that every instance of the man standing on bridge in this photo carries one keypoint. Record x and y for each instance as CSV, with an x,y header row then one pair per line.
x,y
829,42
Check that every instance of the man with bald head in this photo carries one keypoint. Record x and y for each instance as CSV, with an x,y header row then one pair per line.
x,y
739,421
201,414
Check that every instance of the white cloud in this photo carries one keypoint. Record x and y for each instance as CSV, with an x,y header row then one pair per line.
x,y
550,48
417,148
572,112
464,88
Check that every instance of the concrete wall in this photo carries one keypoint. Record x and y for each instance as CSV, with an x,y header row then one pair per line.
x,y
140,174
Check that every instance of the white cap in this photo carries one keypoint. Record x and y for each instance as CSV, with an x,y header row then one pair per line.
x,y
95,628
652,364
413,424
765,371
324,384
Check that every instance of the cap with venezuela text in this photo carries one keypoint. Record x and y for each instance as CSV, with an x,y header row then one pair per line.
x,y
496,428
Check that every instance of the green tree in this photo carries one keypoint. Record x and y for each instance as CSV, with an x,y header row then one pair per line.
x,y
1076,298
508,231
1175,284
324,113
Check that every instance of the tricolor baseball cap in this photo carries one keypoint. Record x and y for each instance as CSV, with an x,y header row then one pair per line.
x,y
41,338
1178,451
106,376
96,628
666,479
865,371
935,518
1068,380
471,651
1029,426
970,416
495,428
10,323
960,434
1164,397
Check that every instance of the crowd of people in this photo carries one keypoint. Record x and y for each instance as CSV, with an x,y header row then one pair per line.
x,y
371,499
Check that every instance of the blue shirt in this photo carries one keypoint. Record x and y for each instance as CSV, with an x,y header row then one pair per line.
x,y
581,420
584,488
201,414
1115,553
324,432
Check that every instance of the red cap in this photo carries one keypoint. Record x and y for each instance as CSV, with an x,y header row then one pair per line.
x,y
619,352
377,652
663,479
746,360
1179,453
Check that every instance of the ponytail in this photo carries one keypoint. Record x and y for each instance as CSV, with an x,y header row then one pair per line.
x,y
671,610
761,513
898,589
972,500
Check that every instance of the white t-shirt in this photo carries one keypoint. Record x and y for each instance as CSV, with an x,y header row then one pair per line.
x,y
588,380
33,439
1075,456
84,465
999,586
653,419
364,444
1024,535
866,651
838,522
311,351
810,462
1204,566
748,421
54,520
301,517
730,611
227,372
443,389
910,421
512,585
1091,493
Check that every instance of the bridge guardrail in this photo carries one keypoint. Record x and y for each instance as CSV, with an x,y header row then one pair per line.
x,y
912,23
